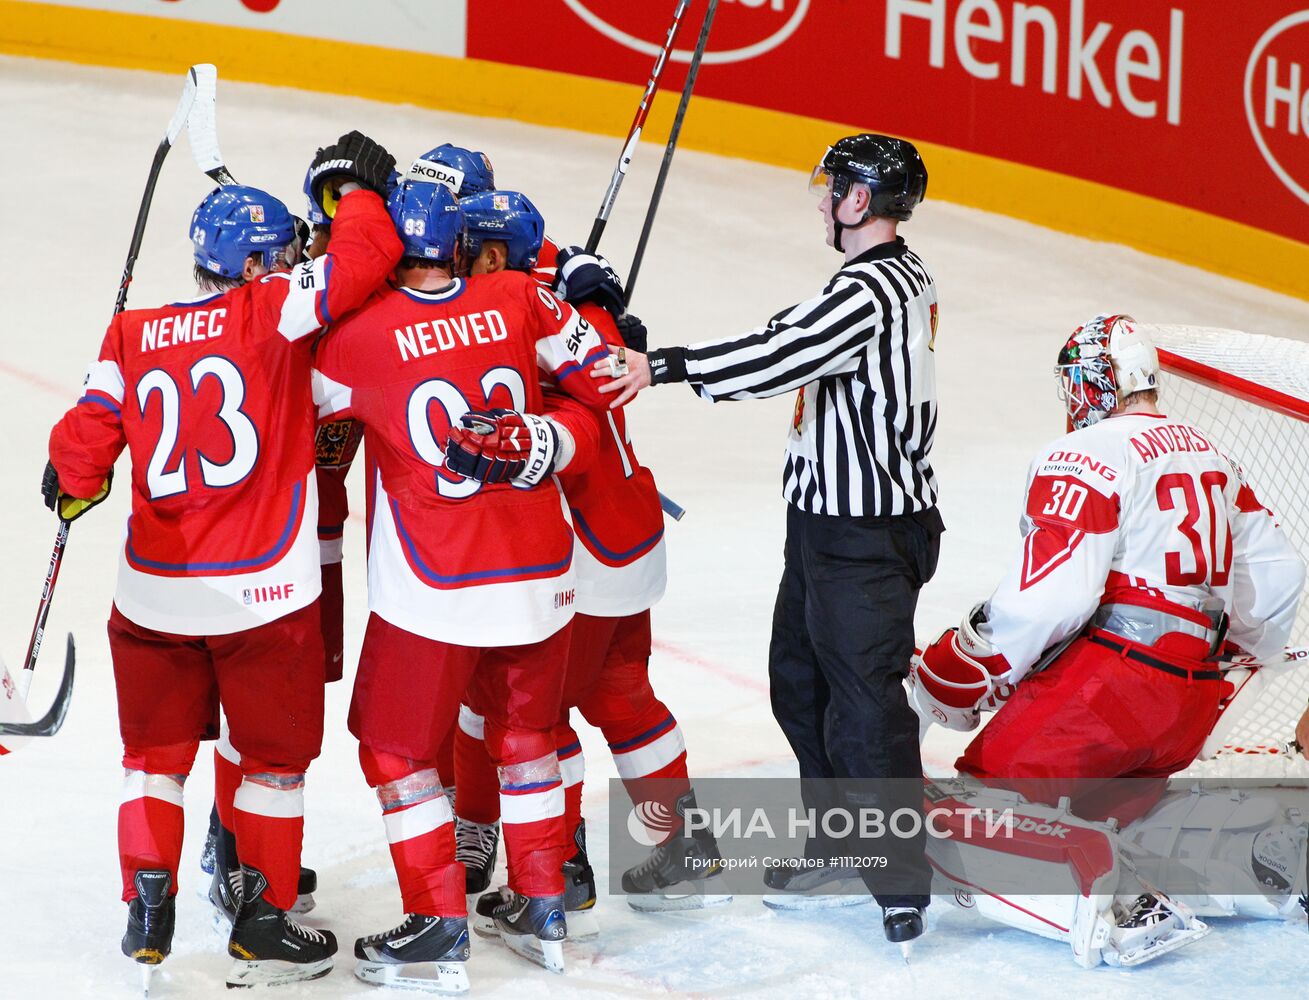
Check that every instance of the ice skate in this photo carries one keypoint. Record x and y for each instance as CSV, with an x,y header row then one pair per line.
x,y
683,873
1149,926
476,845
902,925
799,887
270,948
150,918
532,926
579,891
422,953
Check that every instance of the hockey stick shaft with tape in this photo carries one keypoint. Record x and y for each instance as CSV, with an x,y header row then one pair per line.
x,y
24,680
687,89
634,133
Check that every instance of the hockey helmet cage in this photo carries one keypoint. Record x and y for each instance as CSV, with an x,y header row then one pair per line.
x,y
1104,362
427,219
507,216
464,171
236,221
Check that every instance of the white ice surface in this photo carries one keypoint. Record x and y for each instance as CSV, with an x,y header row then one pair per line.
x,y
735,243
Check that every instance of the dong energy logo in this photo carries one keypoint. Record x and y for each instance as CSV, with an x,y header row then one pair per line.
x,y
1277,100
743,29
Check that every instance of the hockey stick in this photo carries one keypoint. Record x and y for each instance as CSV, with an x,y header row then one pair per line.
x,y
634,133
202,126
671,147
24,680
53,719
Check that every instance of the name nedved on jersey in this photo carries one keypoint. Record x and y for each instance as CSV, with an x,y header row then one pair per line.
x,y
182,328
424,339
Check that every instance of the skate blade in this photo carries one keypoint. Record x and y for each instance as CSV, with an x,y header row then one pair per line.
x,y
444,978
147,975
695,896
825,901
547,954
906,950
1139,956
274,973
304,903
582,924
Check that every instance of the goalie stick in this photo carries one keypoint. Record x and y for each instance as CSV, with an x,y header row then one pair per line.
x,y
49,724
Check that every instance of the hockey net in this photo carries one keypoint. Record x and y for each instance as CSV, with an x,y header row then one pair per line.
x,y
1250,394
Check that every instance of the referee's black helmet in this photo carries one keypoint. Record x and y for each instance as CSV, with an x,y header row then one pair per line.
x,y
891,167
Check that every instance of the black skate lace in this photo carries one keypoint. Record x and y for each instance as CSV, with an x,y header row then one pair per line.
x,y
475,842
652,862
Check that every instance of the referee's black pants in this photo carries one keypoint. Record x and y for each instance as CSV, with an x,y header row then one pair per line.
x,y
843,634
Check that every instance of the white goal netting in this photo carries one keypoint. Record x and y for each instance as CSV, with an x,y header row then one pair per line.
x,y
1250,393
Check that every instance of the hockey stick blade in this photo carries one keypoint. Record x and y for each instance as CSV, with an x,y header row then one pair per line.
x,y
53,720
202,125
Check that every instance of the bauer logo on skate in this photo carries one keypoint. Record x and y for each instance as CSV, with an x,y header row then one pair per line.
x,y
1277,100
744,29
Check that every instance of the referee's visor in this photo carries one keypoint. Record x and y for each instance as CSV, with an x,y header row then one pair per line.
x,y
822,178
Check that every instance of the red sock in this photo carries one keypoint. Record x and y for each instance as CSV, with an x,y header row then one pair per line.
x,y
478,784
270,820
227,779
420,829
150,819
572,768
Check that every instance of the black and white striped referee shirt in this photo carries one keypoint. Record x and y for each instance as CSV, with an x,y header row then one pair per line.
x,y
861,355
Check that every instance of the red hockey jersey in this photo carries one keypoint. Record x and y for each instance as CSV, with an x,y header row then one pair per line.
x,y
621,565
450,558
212,397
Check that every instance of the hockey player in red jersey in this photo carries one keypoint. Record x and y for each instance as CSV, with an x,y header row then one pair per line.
x,y
218,579
621,573
1144,552
1143,547
469,583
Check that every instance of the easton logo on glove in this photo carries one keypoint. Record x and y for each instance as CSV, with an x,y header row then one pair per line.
x,y
498,446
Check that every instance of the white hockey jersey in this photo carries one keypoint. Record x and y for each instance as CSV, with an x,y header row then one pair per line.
x,y
1143,510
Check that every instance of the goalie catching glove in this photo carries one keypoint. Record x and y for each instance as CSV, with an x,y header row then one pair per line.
x,y
498,446
957,676
68,507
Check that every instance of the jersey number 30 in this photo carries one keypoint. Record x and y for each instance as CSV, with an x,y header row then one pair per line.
x,y
245,439
1204,526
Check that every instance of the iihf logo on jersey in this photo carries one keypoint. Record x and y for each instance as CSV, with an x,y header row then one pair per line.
x,y
649,823
262,595
565,598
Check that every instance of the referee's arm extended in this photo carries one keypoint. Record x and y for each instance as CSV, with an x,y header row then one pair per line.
x,y
818,337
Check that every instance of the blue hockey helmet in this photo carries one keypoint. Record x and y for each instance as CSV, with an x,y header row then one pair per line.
x,y
427,219
507,216
236,221
315,215
464,171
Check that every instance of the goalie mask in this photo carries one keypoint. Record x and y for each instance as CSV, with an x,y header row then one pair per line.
x,y
1104,362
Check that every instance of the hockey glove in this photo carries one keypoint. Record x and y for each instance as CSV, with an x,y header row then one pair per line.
x,y
69,508
497,446
585,277
633,332
353,157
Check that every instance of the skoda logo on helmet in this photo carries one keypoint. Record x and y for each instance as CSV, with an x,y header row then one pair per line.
x,y
752,27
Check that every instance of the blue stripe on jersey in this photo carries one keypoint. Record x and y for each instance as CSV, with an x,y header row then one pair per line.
x,y
649,734
323,313
107,402
447,294
481,576
252,565
638,549
572,367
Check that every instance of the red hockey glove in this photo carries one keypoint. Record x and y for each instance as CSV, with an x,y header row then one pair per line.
x,y
497,446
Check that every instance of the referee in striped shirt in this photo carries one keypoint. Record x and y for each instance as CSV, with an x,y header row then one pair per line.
x,y
862,529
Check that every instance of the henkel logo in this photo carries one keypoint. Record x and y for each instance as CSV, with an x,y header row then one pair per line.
x,y
1277,100
743,29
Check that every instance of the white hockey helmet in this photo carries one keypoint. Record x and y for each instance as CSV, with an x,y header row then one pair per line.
x,y
1104,362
